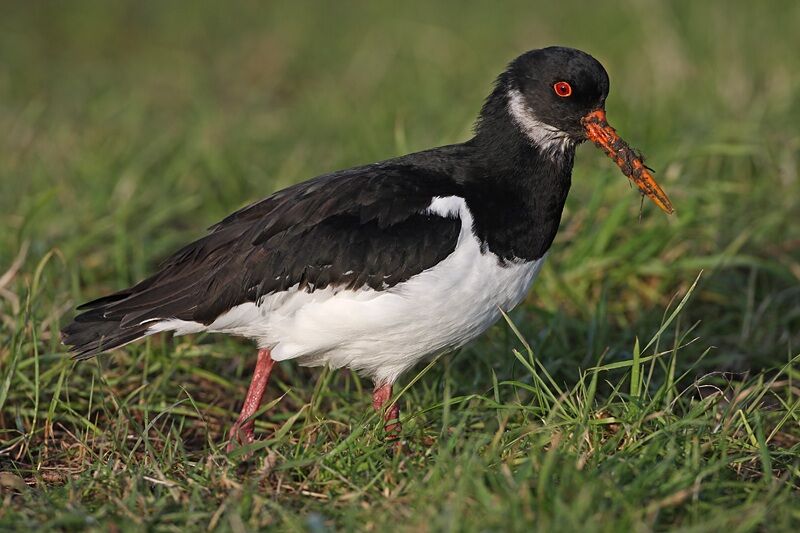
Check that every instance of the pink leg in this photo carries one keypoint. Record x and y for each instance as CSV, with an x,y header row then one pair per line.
x,y
380,396
242,430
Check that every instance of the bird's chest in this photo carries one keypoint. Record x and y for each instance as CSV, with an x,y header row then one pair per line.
x,y
519,218
465,295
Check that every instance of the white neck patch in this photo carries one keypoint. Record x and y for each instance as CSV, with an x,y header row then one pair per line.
x,y
549,139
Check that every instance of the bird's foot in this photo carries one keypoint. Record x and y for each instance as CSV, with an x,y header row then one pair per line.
x,y
392,427
241,434
393,441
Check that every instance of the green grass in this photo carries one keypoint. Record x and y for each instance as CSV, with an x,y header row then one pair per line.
x,y
624,397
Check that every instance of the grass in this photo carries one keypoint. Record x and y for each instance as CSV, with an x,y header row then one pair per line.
x,y
629,392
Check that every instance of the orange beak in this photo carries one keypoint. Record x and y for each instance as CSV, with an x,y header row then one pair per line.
x,y
605,137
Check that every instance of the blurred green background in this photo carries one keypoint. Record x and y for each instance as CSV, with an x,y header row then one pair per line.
x,y
128,127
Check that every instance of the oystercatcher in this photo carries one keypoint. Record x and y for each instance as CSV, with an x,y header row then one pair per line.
x,y
375,267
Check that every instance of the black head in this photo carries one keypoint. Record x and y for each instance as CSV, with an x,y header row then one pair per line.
x,y
544,94
550,99
556,86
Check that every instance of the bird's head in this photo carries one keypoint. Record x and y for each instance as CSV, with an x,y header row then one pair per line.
x,y
556,98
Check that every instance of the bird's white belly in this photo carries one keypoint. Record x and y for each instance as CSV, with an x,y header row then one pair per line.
x,y
383,333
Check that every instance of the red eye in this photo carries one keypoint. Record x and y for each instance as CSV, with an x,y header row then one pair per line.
x,y
562,89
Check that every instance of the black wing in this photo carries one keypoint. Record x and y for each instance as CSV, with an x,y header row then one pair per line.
x,y
360,227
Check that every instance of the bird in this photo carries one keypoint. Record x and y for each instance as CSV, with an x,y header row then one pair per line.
x,y
378,267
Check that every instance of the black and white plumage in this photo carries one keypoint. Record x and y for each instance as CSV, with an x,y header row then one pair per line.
x,y
376,267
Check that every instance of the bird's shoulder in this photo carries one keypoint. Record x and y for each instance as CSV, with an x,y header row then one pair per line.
x,y
387,192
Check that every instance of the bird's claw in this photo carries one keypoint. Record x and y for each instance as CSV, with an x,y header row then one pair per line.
x,y
240,435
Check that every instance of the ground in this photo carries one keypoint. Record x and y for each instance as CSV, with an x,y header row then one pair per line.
x,y
650,381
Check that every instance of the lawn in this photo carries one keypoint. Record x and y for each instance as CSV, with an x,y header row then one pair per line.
x,y
650,381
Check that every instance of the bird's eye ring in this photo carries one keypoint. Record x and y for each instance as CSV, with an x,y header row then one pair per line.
x,y
562,89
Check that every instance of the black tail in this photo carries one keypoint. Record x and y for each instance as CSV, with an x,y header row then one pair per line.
x,y
92,333
192,285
